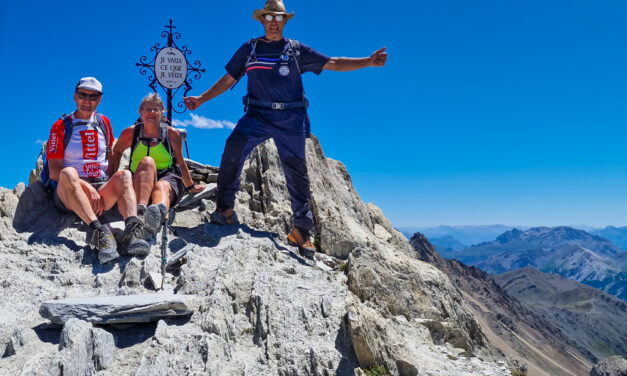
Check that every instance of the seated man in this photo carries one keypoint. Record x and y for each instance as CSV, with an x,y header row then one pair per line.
x,y
78,152
160,175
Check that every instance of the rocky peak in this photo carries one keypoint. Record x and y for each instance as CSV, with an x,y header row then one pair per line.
x,y
262,309
509,236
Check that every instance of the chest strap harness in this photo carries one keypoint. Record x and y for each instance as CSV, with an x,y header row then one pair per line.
x,y
291,50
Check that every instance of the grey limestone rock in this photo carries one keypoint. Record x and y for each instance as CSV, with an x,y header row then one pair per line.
x,y
83,350
343,221
258,307
132,273
611,366
193,198
403,286
118,309
8,202
19,338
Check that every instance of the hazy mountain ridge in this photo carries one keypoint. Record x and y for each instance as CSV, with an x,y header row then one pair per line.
x,y
447,244
572,253
617,235
469,235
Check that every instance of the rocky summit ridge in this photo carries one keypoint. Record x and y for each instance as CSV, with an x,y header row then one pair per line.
x,y
261,309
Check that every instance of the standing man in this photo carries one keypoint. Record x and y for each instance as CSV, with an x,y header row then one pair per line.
x,y
276,108
78,155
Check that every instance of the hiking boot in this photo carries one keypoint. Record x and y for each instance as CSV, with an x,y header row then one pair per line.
x,y
153,219
305,247
133,243
102,239
223,217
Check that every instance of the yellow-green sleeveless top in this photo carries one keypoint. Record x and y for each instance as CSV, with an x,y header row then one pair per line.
x,y
163,159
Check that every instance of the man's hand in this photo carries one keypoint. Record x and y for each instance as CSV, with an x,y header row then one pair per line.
x,y
95,200
378,58
192,103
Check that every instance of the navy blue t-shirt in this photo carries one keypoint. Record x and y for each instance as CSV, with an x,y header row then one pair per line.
x,y
273,79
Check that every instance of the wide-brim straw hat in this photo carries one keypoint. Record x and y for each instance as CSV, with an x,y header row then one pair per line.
x,y
274,7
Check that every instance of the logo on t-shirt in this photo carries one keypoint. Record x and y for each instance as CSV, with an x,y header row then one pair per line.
x,y
90,144
91,169
52,145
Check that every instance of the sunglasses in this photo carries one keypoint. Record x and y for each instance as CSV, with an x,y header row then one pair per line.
x,y
151,109
87,97
269,17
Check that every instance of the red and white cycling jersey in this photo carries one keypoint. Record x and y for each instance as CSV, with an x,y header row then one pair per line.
x,y
86,151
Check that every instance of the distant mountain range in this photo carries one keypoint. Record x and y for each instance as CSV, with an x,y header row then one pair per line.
x,y
589,317
440,236
466,235
447,244
572,253
617,235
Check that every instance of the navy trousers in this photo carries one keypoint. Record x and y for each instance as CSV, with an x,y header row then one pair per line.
x,y
249,133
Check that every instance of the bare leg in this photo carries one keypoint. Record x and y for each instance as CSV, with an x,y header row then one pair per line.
x,y
73,195
144,179
162,193
119,189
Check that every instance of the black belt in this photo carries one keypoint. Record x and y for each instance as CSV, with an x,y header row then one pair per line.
x,y
275,105
101,179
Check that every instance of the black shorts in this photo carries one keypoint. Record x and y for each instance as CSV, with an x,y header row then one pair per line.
x,y
61,206
177,185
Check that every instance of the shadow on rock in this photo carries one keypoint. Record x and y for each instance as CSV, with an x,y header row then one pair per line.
x,y
48,332
35,211
128,335
344,344
53,239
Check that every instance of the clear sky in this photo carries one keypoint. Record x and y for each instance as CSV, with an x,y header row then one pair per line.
x,y
486,112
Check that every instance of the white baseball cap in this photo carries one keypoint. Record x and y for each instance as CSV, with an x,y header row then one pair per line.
x,y
89,83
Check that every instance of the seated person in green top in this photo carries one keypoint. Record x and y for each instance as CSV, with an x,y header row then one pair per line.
x,y
160,175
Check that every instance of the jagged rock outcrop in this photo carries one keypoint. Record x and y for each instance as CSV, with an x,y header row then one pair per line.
x,y
83,350
611,366
262,309
344,222
523,336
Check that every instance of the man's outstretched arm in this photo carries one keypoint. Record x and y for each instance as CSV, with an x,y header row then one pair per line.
x,y
218,88
345,64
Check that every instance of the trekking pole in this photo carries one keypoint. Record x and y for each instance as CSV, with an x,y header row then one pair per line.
x,y
164,248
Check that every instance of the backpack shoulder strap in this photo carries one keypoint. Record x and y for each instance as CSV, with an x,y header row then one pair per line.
x,y
136,132
294,46
104,130
251,54
164,136
67,134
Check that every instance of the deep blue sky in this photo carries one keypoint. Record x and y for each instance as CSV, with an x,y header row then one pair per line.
x,y
487,111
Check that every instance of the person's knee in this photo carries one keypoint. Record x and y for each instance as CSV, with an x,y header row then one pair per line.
x,y
146,163
68,175
123,179
161,186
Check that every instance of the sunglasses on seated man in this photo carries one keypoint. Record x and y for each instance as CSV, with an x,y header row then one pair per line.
x,y
269,17
88,97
